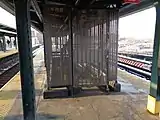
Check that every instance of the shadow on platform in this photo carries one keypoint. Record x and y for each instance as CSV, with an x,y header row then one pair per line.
x,y
63,93
39,116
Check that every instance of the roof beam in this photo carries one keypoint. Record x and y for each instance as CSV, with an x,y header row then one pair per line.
x,y
58,3
77,2
37,9
5,27
5,5
6,31
133,8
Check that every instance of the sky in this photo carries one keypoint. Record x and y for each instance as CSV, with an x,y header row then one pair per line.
x,y
7,18
140,25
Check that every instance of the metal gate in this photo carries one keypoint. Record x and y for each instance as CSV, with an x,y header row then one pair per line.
x,y
95,47
58,56
90,58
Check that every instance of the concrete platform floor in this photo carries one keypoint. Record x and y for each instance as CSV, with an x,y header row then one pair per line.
x,y
7,53
129,104
10,94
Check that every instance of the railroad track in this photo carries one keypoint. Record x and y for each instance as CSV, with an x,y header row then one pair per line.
x,y
9,67
8,74
135,71
7,62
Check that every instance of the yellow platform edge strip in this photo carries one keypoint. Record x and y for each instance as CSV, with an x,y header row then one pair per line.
x,y
8,54
16,76
153,105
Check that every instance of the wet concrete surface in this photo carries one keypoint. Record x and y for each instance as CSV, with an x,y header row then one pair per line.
x,y
92,104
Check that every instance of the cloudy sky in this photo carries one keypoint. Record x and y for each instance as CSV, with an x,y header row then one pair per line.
x,y
7,18
140,25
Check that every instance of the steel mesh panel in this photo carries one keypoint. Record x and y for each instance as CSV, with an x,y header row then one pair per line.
x,y
95,48
94,55
61,73
113,43
58,55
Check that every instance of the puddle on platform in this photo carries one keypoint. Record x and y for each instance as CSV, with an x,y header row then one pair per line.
x,y
128,87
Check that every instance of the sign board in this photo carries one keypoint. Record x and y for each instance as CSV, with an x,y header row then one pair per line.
x,y
132,1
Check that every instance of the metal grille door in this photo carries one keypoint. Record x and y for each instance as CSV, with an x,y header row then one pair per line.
x,y
90,58
61,65
95,48
112,45
58,52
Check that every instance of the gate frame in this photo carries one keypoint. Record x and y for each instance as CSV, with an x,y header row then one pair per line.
x,y
110,85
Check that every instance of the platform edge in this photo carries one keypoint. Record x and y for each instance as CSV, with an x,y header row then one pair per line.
x,y
153,105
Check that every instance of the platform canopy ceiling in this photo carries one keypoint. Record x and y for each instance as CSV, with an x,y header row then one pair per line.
x,y
6,30
60,9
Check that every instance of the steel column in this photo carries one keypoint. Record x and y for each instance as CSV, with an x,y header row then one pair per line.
x,y
47,45
15,42
71,44
155,61
4,44
10,38
26,59
154,95
44,44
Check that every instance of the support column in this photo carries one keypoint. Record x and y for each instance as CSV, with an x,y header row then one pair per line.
x,y
44,44
71,90
1,49
48,54
10,39
25,55
4,44
15,42
154,96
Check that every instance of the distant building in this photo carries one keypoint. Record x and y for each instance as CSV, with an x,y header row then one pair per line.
x,y
135,46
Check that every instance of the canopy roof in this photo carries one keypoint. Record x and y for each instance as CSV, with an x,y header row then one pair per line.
x,y
6,30
60,12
